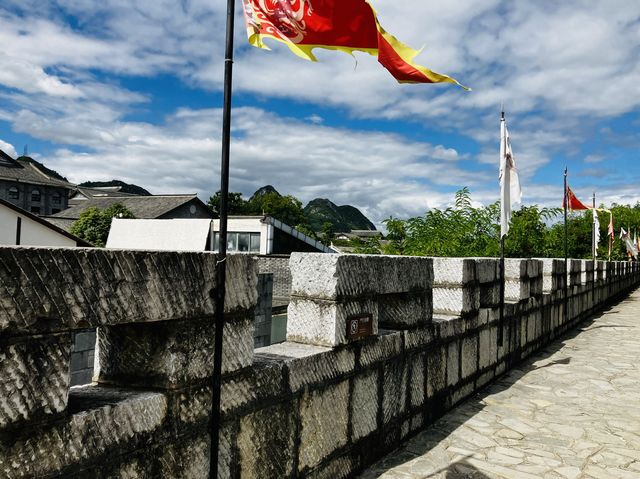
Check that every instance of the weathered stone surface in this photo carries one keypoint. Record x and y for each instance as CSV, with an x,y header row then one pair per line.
x,y
324,323
311,365
394,390
453,271
453,363
378,349
97,287
488,351
34,379
187,459
436,370
324,416
110,418
364,404
254,385
456,300
170,353
404,310
339,468
327,276
417,384
266,442
469,363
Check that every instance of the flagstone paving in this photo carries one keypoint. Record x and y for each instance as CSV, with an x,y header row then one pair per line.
x,y
571,411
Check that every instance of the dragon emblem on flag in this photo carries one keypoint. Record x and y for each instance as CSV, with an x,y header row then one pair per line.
x,y
281,18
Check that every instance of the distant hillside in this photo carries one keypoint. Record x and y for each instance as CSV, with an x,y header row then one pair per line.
x,y
125,187
44,169
263,191
343,218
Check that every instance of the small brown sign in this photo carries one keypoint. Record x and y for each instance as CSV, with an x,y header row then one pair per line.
x,y
359,326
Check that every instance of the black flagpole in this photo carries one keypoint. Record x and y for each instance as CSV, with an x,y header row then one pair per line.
x,y
502,279
222,244
566,248
593,235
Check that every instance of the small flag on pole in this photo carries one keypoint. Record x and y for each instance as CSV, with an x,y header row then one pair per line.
x,y
631,250
596,232
611,233
573,202
510,191
345,25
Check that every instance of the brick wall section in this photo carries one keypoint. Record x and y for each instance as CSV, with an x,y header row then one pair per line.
x,y
288,410
278,265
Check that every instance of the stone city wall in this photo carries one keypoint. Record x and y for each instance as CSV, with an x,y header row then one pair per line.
x,y
325,404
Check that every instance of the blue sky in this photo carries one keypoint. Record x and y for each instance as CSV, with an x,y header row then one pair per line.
x,y
131,89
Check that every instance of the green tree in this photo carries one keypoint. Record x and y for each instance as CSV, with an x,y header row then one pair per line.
x,y
93,225
287,209
236,205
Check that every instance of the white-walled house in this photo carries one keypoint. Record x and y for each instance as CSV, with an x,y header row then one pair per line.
x,y
262,235
19,227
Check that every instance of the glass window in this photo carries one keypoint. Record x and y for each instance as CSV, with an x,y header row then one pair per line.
x,y
14,194
243,242
56,198
232,242
35,210
255,243
35,195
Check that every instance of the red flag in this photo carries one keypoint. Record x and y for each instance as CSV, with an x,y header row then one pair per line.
x,y
345,25
574,203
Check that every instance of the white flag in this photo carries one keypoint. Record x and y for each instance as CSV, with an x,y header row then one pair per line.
x,y
596,229
510,191
627,242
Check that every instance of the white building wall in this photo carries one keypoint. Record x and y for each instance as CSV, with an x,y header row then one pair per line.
x,y
32,232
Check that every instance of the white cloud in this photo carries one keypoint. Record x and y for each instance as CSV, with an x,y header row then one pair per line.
x,y
8,149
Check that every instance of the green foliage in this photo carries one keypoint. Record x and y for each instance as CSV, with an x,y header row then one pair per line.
x,y
94,224
236,204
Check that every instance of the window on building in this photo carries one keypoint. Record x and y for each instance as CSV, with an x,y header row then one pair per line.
x,y
35,210
14,194
239,242
35,195
56,198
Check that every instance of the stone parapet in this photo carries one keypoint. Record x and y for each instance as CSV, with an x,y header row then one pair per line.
x,y
318,405
329,289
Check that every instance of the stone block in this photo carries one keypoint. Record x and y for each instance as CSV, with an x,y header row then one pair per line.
x,y
417,384
266,442
171,353
364,405
404,310
332,276
252,386
187,458
308,365
324,416
469,365
109,417
383,347
394,390
447,327
436,370
453,363
34,379
453,271
456,300
339,468
324,323
489,295
418,338
487,344
97,287
487,270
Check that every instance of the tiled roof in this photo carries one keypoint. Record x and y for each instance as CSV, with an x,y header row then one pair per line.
x,y
23,171
145,207
83,192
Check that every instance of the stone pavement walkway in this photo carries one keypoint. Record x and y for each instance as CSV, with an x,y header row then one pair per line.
x,y
570,411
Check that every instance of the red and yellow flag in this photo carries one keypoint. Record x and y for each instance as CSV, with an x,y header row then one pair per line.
x,y
573,202
345,25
